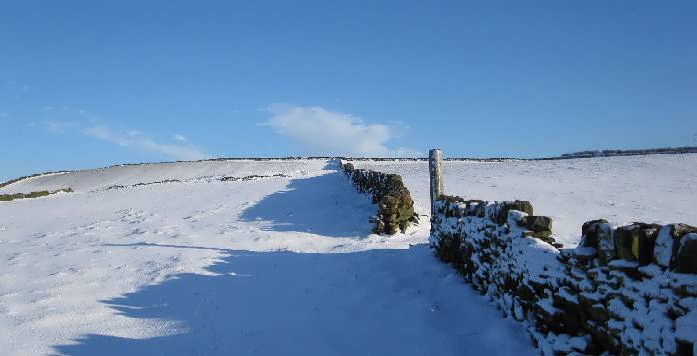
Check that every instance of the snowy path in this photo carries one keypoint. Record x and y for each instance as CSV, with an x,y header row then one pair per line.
x,y
282,265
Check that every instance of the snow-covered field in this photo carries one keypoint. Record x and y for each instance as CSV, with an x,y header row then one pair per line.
x,y
266,266
654,188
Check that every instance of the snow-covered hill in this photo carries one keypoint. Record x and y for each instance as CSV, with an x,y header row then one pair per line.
x,y
197,265
655,188
189,258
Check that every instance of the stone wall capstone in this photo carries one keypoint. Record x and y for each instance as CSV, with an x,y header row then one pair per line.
x,y
623,290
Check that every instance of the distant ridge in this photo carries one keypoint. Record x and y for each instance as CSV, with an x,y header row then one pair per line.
x,y
650,151
574,155
580,154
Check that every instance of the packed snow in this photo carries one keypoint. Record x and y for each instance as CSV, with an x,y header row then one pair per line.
x,y
654,189
282,262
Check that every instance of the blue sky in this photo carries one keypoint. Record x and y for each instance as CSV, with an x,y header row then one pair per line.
x,y
88,84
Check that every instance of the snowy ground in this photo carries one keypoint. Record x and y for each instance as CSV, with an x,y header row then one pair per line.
x,y
654,188
280,265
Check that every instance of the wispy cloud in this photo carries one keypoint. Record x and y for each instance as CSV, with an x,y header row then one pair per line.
x,y
136,139
321,131
92,126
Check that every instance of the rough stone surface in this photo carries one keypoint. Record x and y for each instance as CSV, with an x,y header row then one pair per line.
x,y
605,296
687,254
505,207
538,223
668,243
395,205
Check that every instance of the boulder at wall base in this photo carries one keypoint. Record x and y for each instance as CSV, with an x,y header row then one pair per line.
x,y
520,205
687,254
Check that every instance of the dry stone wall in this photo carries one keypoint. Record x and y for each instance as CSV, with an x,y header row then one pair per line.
x,y
624,290
42,193
395,205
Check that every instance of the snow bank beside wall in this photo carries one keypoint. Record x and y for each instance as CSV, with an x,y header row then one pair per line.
x,y
395,206
629,289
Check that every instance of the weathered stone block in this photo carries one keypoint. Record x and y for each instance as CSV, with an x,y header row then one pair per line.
x,y
687,254
589,232
668,242
643,243
538,223
623,241
606,243
505,207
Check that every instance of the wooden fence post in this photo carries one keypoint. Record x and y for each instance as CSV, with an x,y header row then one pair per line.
x,y
435,166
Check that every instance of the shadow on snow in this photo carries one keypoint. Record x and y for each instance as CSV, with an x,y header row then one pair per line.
x,y
326,205
375,302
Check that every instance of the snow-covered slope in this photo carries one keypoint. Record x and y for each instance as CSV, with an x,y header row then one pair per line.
x,y
267,266
96,179
654,188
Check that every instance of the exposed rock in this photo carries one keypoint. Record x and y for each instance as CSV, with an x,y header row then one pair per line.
x,y
395,205
505,207
643,244
538,223
687,254
636,242
589,232
668,242
606,243
624,235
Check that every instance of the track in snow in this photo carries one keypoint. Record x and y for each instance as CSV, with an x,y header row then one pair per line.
x,y
284,265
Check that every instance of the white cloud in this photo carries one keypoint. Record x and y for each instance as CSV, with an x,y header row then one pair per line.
x,y
180,138
136,139
321,131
